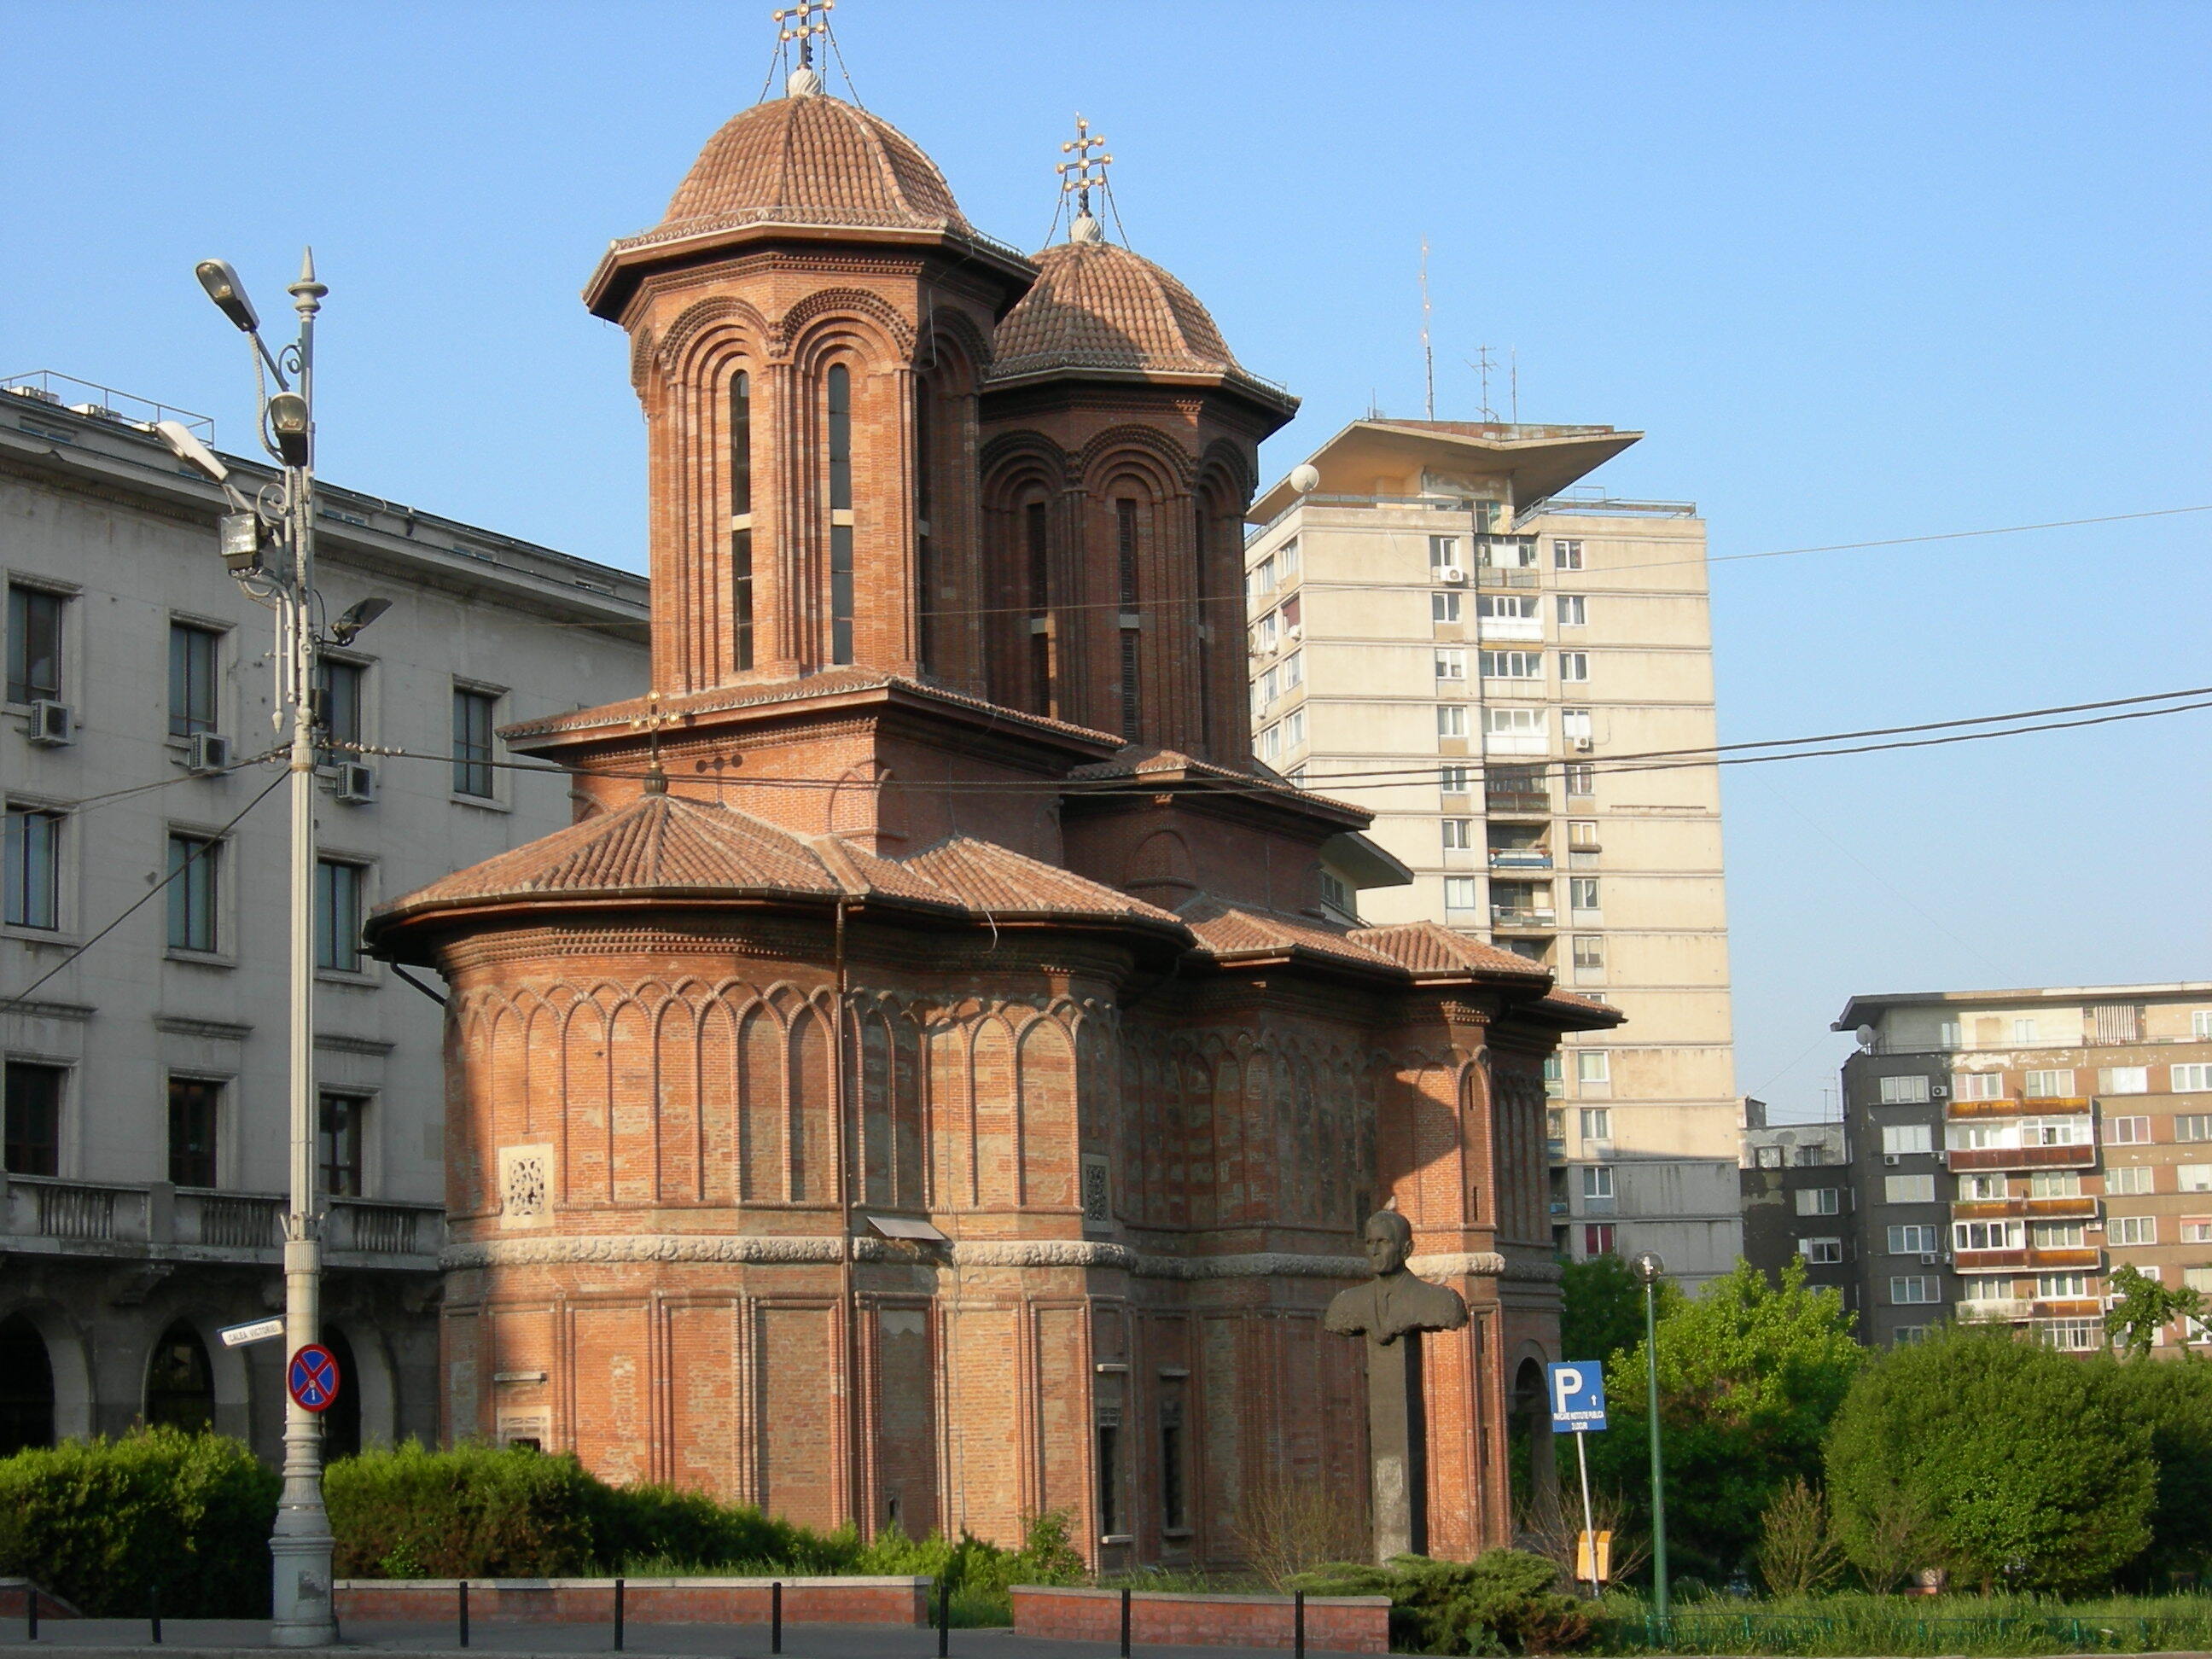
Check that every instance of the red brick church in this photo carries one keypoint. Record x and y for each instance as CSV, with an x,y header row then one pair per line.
x,y
927,1087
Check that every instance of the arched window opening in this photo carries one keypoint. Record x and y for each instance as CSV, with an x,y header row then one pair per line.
x,y
27,1388
924,575
1201,631
841,513
1124,545
180,1383
341,1422
1037,533
741,517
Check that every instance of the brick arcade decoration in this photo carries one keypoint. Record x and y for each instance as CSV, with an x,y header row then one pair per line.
x,y
924,1087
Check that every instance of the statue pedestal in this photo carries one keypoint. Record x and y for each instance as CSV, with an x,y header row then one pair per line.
x,y
1397,1446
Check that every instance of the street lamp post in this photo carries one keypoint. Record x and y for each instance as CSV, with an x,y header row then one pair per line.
x,y
1648,1268
268,544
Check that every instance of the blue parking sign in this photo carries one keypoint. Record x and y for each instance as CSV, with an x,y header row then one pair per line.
x,y
1577,1392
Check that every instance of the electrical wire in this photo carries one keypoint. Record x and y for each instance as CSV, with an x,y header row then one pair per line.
x,y
205,849
102,799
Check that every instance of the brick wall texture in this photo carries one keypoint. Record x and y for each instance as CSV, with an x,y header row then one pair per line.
x,y
1342,1624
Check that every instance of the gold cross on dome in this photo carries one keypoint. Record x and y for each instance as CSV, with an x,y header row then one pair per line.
x,y
802,22
1086,171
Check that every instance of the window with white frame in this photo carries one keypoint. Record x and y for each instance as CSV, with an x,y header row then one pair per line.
x,y
1576,727
2127,1132
1987,1234
2132,1230
1574,611
1593,1066
2057,1236
2074,1335
2192,1126
1461,893
2189,1079
1444,553
2192,1177
1293,729
1507,664
1458,834
2047,1085
1980,1137
1581,780
1267,631
1455,780
2054,1132
1261,580
1294,669
1286,561
1589,953
2128,1179
1514,731
1915,1240
2123,1080
1597,1180
1908,1189
1508,552
1581,894
1451,720
1900,1138
1574,666
2055,1183
1821,1252
1452,665
2025,1031
2200,1024
2197,1278
1985,1290
1566,554
1595,1122
1904,1091
1978,1085
1911,1288
1819,1200
1950,1035
1906,1336
1978,1188
2197,1229
1444,606
2058,1287
1510,608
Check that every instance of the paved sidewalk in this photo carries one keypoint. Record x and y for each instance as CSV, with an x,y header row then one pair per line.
x,y
212,1639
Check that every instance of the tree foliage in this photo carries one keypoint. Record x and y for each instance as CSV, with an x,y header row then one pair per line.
x,y
1602,1311
2004,1462
2143,1307
1749,1373
2173,1403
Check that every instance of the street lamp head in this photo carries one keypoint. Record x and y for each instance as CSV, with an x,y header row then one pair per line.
x,y
186,448
1648,1267
223,286
289,425
357,617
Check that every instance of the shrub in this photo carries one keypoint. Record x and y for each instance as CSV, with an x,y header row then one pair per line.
x,y
1797,1550
104,1523
628,1523
1284,1527
472,1512
1502,1601
2173,1402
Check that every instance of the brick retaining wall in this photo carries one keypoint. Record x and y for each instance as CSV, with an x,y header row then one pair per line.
x,y
16,1599
897,1601
1342,1624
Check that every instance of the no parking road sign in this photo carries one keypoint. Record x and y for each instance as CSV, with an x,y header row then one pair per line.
x,y
312,1379
1577,1392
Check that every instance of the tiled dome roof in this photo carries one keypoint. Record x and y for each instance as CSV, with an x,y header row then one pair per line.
x,y
1098,305
810,160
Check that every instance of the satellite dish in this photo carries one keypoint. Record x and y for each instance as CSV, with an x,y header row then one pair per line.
x,y
1305,479
1865,1035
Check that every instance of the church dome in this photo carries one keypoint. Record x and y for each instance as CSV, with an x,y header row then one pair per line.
x,y
810,160
1098,305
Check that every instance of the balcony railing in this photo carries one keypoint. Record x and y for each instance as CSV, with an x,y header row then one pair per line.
x,y
1957,1159
49,1215
1510,627
2079,1209
1991,1312
1535,802
1520,858
1506,915
1518,576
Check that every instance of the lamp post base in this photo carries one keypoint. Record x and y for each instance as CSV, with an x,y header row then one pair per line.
x,y
300,1605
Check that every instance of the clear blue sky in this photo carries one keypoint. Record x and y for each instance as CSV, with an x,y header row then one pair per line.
x,y
1861,270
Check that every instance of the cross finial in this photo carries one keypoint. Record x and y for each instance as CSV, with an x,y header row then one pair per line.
x,y
802,22
1080,175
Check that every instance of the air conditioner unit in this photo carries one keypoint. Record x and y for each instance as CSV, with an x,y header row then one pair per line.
x,y
1893,1158
1930,1260
1583,746
1452,576
1940,1090
1296,631
356,784
52,724
207,751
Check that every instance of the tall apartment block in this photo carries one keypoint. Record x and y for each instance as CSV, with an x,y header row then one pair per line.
x,y
2013,1149
1796,1199
1448,630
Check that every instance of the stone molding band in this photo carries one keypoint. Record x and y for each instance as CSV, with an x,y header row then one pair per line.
x,y
767,1249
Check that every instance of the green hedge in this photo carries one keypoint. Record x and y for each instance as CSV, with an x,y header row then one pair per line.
x,y
102,1523
1502,1601
469,1513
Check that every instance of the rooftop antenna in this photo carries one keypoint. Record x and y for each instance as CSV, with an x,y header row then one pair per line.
x,y
1081,175
1428,354
1482,362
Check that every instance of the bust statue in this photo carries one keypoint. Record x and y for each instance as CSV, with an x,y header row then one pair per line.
x,y
1393,1302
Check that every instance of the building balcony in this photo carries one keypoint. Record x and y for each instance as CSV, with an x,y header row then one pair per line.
x,y
2078,1307
1967,1159
157,1222
1524,919
1517,802
1512,576
1520,858
1993,1313
2037,1209
1984,1261
1508,628
2086,1258
1514,743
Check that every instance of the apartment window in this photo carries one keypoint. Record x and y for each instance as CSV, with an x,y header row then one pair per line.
x,y
34,645
1444,606
2054,1132
195,1107
337,1142
2189,1080
1975,1188
1293,730
1915,1241
1915,1288
1334,892
2197,1229
2054,1184
2123,1080
2052,1287
1566,554
2056,1235
1904,1091
1770,1157
1819,1200
34,868
1286,561
2200,1024
1455,780
2127,1132
2075,1336
1444,554
1582,892
1581,780
1984,1234
338,688
1514,731
2197,1278
2192,1126
2025,1031
1507,664
2133,1230
2129,1180
193,663
1574,610
1900,1138
475,714
1985,1290
1595,1122
1581,836
195,870
1458,834
2192,1177
1597,1180
1452,664
1509,552
1821,1252
1460,893
1574,665
338,891
1509,608
2047,1085
1950,1035
1908,1189
1978,1085
1589,953
1257,585
1451,720
1593,1066
1598,1238
34,1113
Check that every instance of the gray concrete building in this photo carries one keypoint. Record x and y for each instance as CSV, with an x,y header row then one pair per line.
x,y
1798,1202
146,1111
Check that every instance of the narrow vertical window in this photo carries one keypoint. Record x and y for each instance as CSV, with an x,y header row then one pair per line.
x,y
924,557
1173,1509
1110,1483
474,713
338,915
1125,547
195,1104
193,863
338,1143
35,845
33,1119
338,688
191,679
1200,644
741,520
841,502
34,645
1037,534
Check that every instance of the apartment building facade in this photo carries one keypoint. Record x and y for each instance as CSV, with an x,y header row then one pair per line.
x,y
143,1183
2014,1149
1446,628
1796,1197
